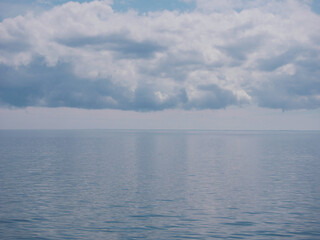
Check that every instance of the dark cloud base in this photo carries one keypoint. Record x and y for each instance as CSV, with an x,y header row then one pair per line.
x,y
40,85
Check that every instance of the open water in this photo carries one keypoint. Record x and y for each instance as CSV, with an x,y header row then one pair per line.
x,y
102,184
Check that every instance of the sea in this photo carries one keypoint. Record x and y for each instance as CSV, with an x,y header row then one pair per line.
x,y
159,184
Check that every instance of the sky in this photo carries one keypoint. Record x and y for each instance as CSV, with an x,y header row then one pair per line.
x,y
165,64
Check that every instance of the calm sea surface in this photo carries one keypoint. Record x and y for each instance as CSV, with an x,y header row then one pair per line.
x,y
159,184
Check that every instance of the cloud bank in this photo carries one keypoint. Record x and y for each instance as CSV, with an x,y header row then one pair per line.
x,y
86,55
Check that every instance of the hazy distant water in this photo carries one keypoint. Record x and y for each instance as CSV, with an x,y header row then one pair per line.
x,y
159,185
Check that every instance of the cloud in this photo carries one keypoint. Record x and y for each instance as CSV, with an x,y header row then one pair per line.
x,y
117,43
86,55
294,83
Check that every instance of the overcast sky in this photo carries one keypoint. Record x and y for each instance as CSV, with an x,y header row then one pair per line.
x,y
195,64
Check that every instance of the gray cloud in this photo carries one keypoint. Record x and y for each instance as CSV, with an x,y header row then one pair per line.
x,y
298,90
204,59
240,48
40,85
119,43
272,63
146,99
213,97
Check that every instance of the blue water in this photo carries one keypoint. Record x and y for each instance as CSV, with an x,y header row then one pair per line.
x,y
159,184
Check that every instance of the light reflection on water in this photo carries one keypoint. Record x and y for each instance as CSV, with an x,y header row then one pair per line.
x,y
159,185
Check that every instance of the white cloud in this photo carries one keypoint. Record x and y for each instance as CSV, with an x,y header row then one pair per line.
x,y
88,56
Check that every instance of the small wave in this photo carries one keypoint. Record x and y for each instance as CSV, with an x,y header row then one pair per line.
x,y
239,223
